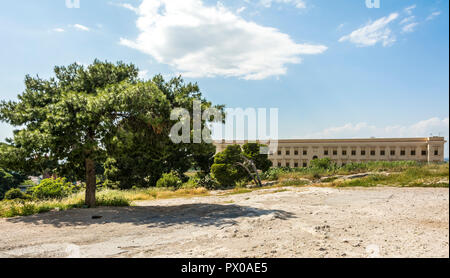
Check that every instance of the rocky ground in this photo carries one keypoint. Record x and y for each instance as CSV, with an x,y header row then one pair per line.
x,y
288,222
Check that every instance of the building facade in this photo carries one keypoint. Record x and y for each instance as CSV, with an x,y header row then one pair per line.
x,y
299,153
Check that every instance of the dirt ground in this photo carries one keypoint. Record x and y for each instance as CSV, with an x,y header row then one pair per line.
x,y
293,222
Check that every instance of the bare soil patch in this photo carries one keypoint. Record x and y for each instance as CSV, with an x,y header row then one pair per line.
x,y
292,222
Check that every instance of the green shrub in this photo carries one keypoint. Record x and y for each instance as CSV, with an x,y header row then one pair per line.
x,y
226,175
323,163
53,189
169,180
9,180
193,182
16,194
271,175
208,182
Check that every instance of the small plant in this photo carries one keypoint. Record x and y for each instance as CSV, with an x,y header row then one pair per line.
x,y
53,189
169,180
209,183
16,194
193,182
324,163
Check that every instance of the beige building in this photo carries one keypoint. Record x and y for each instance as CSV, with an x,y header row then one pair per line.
x,y
299,153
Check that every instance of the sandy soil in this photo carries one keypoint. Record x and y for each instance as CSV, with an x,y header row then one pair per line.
x,y
297,222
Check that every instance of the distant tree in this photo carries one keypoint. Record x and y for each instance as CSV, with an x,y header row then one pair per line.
x,y
253,152
226,169
235,164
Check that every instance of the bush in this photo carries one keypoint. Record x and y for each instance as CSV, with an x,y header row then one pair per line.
x,y
16,194
208,182
53,189
271,175
9,180
169,180
324,163
193,182
226,174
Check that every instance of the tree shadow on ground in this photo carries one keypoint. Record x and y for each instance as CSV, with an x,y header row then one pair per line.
x,y
154,216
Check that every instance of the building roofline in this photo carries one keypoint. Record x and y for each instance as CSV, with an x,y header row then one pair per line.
x,y
352,140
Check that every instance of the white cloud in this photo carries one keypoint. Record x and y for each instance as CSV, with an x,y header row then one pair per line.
x,y
408,28
143,74
409,9
58,30
433,15
81,27
373,32
240,10
125,5
299,4
425,128
407,19
207,41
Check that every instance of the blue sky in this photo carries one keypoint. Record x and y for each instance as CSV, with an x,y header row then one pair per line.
x,y
333,68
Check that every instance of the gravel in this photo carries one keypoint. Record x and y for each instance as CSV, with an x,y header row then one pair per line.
x,y
298,222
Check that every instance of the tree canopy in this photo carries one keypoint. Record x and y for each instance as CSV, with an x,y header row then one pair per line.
x,y
100,114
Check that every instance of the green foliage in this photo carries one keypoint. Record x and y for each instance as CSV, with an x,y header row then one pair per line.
x,y
116,201
169,180
9,180
323,163
138,155
15,193
272,174
253,152
101,115
378,166
208,182
226,169
53,189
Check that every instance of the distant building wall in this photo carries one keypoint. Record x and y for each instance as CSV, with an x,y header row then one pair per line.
x,y
299,153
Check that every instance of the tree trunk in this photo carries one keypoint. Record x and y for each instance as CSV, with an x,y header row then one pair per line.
x,y
90,183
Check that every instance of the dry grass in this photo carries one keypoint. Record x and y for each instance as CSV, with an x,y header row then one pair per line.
x,y
107,197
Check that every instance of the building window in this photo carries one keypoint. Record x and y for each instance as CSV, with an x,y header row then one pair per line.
x,y
305,164
279,164
344,152
382,152
353,152
363,152
279,152
413,152
296,153
325,152
288,153
334,152
424,153
288,165
436,152
296,165
372,153
402,152
392,153
305,152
